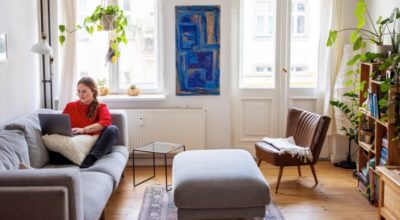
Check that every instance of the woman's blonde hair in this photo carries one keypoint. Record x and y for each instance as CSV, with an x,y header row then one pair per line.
x,y
91,83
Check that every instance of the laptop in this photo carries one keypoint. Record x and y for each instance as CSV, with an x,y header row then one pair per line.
x,y
51,123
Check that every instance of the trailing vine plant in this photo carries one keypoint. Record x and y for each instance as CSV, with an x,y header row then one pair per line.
x,y
111,14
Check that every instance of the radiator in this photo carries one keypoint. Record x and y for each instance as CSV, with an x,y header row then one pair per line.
x,y
181,126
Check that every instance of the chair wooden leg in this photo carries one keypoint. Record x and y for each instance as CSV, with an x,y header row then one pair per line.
x,y
258,162
279,179
103,215
298,168
313,172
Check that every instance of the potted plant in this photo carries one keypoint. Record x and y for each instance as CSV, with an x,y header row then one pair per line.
x,y
133,90
361,36
103,88
103,18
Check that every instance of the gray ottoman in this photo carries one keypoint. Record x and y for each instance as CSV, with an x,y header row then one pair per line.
x,y
218,184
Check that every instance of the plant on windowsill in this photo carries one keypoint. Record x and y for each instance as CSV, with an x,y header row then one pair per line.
x,y
102,86
133,90
103,18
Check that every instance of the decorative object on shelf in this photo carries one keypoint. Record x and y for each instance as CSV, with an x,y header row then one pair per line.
x,y
197,50
104,18
103,88
367,133
3,47
133,90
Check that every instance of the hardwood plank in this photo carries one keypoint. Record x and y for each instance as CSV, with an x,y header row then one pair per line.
x,y
335,197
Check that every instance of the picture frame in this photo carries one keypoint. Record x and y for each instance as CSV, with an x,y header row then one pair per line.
x,y
3,47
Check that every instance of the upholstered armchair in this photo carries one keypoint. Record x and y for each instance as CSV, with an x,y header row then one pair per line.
x,y
308,130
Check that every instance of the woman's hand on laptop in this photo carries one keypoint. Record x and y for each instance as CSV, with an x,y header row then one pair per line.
x,y
78,130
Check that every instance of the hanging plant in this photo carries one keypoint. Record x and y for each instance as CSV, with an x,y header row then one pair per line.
x,y
104,18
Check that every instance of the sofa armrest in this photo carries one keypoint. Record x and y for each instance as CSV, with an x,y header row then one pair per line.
x,y
119,119
41,189
28,202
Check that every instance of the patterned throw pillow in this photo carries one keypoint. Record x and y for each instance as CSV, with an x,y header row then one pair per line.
x,y
74,148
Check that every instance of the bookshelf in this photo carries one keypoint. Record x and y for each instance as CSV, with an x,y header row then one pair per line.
x,y
380,149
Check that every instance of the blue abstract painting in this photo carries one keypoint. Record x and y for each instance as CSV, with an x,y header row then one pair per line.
x,y
197,50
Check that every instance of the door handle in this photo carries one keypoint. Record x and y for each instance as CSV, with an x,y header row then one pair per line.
x,y
284,70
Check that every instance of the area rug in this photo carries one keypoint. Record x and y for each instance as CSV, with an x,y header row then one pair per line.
x,y
158,205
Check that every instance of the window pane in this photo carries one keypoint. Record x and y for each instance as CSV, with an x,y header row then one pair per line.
x,y
304,49
257,65
137,64
301,24
138,58
301,7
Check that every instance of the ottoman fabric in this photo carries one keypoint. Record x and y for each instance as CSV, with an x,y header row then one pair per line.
x,y
218,179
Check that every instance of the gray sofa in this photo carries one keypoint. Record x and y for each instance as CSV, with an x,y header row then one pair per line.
x,y
54,191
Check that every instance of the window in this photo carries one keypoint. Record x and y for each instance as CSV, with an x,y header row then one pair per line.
x,y
264,18
259,18
299,9
138,63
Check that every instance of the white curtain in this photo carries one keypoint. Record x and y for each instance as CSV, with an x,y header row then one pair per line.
x,y
68,71
329,57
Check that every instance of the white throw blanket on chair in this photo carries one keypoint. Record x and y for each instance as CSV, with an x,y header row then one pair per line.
x,y
287,145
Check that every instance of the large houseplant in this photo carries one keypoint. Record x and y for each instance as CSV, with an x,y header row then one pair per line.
x,y
360,38
103,18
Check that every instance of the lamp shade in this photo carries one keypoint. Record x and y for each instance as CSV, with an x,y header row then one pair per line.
x,y
42,47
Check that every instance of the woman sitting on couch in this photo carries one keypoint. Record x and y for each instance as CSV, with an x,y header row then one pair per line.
x,y
88,116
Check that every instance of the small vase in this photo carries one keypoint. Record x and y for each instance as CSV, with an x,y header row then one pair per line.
x,y
133,92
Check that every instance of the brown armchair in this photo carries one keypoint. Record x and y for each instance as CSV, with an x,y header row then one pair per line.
x,y
308,130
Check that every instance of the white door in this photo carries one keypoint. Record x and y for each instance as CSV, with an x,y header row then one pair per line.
x,y
277,63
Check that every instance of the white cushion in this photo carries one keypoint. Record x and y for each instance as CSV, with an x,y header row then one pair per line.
x,y
74,148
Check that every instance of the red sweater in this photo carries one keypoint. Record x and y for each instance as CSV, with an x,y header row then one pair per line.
x,y
78,114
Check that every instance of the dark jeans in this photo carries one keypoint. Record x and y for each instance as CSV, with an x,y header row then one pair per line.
x,y
103,145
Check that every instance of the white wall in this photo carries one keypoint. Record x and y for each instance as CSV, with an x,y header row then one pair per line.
x,y
218,107
19,76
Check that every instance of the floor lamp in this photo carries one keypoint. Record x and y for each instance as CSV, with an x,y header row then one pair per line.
x,y
44,49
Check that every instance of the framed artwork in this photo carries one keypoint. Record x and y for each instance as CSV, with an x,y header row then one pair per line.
x,y
197,50
3,47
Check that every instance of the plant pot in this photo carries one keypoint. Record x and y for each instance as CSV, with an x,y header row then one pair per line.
x,y
108,22
103,91
133,92
383,49
368,137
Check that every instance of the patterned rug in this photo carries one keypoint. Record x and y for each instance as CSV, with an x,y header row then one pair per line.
x,y
158,205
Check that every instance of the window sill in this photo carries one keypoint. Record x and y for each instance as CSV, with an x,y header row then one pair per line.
x,y
126,98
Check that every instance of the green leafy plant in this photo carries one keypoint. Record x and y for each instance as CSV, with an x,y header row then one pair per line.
x,y
360,34
115,18
101,83
351,113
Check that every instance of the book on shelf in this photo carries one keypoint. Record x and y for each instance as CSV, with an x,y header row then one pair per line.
x,y
384,156
363,178
364,189
384,142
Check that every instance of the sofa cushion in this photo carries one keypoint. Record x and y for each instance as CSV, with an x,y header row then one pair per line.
x,y
13,149
30,125
96,190
74,148
112,164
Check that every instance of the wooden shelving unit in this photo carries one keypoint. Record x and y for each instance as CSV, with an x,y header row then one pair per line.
x,y
384,149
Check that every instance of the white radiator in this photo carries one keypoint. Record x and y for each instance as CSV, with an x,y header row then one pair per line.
x,y
181,126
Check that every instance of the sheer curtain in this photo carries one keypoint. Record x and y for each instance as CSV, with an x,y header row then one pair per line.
x,y
68,71
328,56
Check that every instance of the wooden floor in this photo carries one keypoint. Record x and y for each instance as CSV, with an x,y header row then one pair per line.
x,y
335,197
